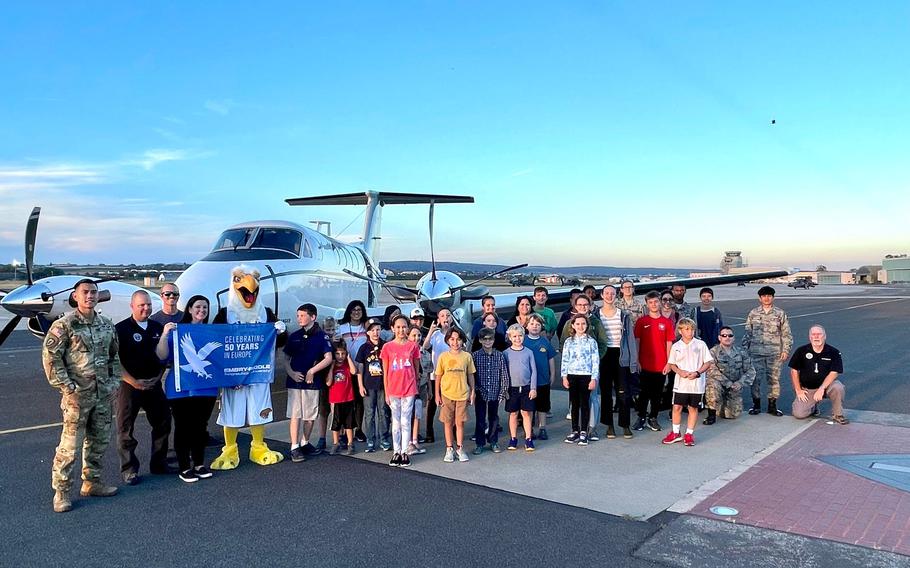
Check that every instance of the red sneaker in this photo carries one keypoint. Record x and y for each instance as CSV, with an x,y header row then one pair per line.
x,y
672,438
689,439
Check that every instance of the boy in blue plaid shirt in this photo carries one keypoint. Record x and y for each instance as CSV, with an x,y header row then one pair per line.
x,y
492,381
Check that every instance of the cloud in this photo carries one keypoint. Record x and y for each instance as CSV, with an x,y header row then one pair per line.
x,y
151,158
87,216
219,106
520,173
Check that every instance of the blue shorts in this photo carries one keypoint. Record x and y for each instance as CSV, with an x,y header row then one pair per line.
x,y
518,400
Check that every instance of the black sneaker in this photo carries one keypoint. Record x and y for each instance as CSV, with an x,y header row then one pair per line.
x,y
395,461
202,472
626,433
611,433
297,455
653,424
572,438
360,436
582,438
404,461
188,476
639,425
308,449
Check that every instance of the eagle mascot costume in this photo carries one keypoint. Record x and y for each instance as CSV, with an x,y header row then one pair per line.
x,y
247,404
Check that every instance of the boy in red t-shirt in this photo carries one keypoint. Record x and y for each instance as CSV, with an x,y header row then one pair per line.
x,y
341,397
655,334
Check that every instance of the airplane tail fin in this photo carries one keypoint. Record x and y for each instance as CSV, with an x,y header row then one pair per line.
x,y
375,200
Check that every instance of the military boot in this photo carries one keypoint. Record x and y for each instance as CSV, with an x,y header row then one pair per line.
x,y
62,502
772,407
756,407
711,418
97,489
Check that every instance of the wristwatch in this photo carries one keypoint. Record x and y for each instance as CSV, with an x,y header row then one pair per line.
x,y
71,388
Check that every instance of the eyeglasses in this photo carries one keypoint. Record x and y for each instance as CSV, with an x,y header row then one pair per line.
x,y
726,335
487,338
171,294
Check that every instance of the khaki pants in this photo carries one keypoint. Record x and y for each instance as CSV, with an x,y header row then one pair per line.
x,y
835,392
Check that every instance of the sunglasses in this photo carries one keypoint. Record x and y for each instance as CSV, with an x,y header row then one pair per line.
x,y
726,335
171,294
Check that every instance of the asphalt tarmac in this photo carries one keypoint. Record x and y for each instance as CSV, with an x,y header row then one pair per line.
x,y
330,512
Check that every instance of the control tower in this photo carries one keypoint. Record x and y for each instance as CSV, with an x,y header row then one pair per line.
x,y
732,259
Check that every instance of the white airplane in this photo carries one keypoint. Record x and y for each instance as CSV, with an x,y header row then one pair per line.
x,y
301,265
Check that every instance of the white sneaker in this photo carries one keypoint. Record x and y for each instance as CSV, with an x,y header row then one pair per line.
x,y
415,449
463,455
569,416
450,455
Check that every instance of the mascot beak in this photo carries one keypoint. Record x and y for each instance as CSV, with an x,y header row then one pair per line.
x,y
247,289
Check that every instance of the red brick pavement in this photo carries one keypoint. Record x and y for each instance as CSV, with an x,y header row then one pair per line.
x,y
793,492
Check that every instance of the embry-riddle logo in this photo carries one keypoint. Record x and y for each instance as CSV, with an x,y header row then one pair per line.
x,y
196,359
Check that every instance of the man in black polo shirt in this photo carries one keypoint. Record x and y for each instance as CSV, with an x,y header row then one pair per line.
x,y
141,389
814,369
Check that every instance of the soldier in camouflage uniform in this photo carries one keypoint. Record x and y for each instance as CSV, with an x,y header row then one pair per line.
x,y
731,371
678,291
626,301
80,359
768,341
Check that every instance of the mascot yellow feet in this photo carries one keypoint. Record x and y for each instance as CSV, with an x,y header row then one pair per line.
x,y
230,455
229,458
259,452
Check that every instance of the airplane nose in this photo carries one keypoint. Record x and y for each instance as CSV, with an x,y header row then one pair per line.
x,y
26,301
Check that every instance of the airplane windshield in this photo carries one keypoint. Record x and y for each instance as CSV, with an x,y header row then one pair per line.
x,y
233,238
281,239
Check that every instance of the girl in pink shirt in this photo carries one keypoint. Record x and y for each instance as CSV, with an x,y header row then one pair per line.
x,y
400,364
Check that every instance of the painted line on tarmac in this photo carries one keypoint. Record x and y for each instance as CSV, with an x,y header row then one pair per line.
x,y
13,350
46,426
30,428
834,311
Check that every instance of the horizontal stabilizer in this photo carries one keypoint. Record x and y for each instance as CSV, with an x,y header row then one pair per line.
x,y
384,197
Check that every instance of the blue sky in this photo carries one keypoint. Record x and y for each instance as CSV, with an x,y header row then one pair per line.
x,y
612,133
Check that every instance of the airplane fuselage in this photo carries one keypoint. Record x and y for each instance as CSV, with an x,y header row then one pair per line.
x,y
297,265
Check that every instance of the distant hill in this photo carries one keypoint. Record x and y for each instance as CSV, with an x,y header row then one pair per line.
x,y
461,267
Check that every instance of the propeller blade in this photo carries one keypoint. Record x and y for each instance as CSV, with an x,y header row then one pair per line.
x,y
432,254
386,285
31,230
9,328
490,275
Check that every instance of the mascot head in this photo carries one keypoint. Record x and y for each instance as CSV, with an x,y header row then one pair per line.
x,y
243,304
245,285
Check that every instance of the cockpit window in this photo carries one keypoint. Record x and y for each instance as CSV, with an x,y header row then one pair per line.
x,y
281,239
233,238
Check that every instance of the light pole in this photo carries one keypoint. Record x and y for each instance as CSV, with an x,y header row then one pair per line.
x,y
15,266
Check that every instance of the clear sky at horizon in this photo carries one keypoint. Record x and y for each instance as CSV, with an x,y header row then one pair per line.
x,y
607,133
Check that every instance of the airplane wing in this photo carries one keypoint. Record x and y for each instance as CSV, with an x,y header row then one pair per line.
x,y
559,297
